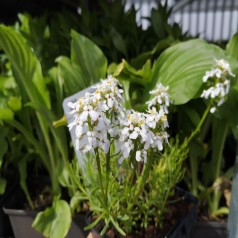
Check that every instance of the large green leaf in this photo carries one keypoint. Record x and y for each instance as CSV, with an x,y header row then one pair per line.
x,y
26,67
89,57
182,67
72,75
55,221
86,66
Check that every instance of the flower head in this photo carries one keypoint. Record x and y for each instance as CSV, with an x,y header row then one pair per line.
x,y
93,116
217,82
141,132
160,98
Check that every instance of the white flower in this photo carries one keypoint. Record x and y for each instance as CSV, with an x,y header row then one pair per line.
x,y
218,83
160,98
92,127
141,155
213,109
140,130
224,66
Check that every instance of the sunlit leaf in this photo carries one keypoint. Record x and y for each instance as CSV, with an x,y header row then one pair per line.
x,y
182,67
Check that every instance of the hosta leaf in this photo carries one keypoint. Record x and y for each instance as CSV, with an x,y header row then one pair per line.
x,y
182,67
55,221
89,57
72,75
26,67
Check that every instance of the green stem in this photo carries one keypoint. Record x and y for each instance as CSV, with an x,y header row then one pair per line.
x,y
140,183
108,158
193,163
199,124
220,130
100,174
79,185
52,167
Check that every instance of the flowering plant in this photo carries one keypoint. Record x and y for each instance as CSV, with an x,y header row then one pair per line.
x,y
133,179
126,145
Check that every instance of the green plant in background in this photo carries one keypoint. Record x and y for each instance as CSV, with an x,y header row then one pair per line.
x,y
107,25
207,177
32,91
110,27
28,117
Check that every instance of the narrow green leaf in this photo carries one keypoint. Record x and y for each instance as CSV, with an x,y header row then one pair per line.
x,y
22,167
118,41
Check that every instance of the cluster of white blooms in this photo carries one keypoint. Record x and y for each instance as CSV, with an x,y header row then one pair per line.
x,y
218,83
146,130
93,116
140,132
160,97
100,118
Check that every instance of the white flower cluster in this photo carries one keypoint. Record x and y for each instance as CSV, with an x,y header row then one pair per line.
x,y
218,83
100,118
93,117
142,131
160,97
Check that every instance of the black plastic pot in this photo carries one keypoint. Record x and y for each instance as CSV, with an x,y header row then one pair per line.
x,y
22,220
183,228
210,229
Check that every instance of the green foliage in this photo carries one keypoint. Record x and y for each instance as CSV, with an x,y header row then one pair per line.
x,y
110,27
176,65
55,221
77,72
31,102
133,200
